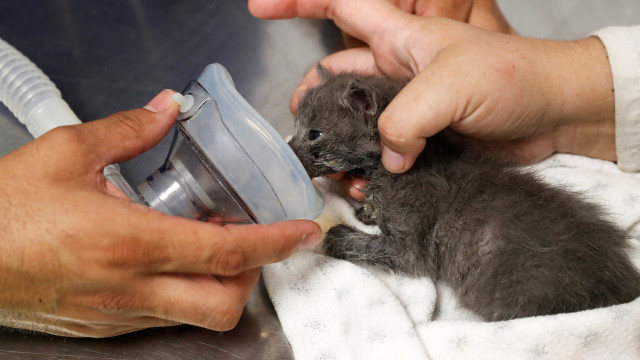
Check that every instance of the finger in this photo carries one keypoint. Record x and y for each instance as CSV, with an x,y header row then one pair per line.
x,y
126,134
354,186
428,104
113,190
371,21
284,9
96,323
359,60
362,19
337,176
172,244
453,9
486,14
274,9
201,300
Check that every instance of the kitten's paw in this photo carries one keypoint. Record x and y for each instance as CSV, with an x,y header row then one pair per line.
x,y
365,216
346,243
336,241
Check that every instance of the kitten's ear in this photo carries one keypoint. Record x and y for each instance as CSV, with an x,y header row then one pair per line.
x,y
359,96
324,73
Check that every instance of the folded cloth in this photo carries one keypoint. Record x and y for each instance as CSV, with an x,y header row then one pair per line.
x,y
333,309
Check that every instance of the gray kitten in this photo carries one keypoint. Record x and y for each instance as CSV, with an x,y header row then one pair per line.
x,y
508,244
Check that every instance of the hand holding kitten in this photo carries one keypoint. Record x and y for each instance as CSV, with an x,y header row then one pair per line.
x,y
526,98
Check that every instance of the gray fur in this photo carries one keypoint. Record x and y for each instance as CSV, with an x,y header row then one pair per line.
x,y
508,244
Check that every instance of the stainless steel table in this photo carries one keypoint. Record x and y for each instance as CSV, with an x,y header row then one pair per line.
x,y
108,56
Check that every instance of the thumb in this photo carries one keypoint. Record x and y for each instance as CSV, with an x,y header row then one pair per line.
x,y
124,135
420,110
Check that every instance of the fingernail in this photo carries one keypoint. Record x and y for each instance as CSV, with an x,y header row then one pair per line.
x,y
160,102
358,185
309,240
393,161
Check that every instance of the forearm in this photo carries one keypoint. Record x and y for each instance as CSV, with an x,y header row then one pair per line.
x,y
623,48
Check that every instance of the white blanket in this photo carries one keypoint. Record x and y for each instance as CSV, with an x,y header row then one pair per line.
x,y
333,309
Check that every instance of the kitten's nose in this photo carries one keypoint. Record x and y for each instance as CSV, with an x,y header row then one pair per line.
x,y
297,146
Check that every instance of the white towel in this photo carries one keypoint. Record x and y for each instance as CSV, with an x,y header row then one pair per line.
x,y
333,309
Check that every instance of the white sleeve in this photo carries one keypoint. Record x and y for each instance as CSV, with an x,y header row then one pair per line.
x,y
623,48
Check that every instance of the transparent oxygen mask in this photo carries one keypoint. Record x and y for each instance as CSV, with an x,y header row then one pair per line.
x,y
227,164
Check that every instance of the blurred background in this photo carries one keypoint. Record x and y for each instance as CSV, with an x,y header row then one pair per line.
x,y
108,56
568,19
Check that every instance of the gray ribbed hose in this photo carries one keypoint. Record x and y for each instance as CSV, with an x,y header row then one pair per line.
x,y
36,102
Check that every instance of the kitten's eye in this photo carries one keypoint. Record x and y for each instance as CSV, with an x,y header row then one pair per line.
x,y
314,134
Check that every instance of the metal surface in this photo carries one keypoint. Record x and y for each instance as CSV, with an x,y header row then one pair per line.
x,y
108,56
257,336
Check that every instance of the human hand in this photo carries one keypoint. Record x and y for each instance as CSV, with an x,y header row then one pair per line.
x,y
525,98
78,258
481,13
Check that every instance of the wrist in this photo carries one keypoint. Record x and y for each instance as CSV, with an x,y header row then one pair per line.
x,y
583,88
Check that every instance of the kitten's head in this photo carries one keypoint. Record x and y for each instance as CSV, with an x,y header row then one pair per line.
x,y
336,125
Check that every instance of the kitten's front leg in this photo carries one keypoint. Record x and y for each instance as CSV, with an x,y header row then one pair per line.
x,y
347,243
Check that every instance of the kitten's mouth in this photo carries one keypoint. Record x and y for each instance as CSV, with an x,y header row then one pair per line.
x,y
328,168
333,166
